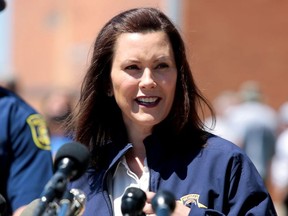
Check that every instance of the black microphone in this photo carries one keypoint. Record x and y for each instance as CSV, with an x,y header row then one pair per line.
x,y
2,5
70,163
133,202
163,203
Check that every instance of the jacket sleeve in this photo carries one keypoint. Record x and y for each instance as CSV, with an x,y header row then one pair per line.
x,y
31,163
246,191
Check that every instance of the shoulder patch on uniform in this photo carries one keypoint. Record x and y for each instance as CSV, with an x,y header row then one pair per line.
x,y
39,131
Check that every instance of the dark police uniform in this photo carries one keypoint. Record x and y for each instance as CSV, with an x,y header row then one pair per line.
x,y
25,156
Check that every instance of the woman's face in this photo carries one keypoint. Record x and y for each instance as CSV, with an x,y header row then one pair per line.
x,y
143,78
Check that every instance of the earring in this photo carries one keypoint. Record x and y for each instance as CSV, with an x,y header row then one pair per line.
x,y
109,93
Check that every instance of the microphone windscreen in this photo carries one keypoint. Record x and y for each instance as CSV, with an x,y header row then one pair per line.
x,y
133,201
163,200
76,152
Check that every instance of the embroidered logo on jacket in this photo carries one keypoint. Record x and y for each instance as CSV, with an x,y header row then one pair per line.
x,y
192,199
39,131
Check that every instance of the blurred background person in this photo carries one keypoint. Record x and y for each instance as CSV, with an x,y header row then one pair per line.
x,y
255,123
279,166
56,107
222,104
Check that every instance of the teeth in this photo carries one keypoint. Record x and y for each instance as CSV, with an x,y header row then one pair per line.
x,y
147,100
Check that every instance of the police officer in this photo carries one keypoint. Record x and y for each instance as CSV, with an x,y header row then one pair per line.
x,y
25,156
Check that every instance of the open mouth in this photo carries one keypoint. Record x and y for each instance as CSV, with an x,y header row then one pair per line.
x,y
148,101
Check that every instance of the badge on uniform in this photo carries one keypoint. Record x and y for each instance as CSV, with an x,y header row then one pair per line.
x,y
39,131
192,199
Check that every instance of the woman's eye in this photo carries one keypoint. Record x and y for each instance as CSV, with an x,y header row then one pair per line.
x,y
162,65
132,67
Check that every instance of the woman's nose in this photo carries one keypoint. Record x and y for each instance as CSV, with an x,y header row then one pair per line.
x,y
147,79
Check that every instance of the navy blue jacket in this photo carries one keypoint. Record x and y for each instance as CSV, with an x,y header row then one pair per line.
x,y
218,179
25,158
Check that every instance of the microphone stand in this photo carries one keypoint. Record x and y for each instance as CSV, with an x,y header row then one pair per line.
x,y
65,204
52,190
72,203
51,210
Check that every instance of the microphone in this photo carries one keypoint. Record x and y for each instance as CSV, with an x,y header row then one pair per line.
x,y
133,202
65,203
72,203
163,203
70,163
79,201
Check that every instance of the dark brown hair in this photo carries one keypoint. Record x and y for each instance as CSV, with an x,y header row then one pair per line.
x,y
98,118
